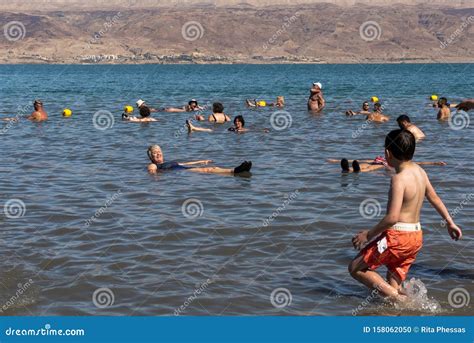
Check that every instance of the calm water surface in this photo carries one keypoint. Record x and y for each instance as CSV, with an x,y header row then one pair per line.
x,y
93,217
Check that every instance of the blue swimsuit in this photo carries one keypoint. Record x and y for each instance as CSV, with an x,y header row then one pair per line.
x,y
172,165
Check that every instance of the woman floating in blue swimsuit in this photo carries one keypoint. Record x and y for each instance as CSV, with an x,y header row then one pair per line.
x,y
158,164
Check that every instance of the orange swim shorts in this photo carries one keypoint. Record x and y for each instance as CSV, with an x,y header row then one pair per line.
x,y
395,249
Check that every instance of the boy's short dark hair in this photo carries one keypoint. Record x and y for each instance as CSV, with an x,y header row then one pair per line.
x,y
401,143
217,107
403,118
192,102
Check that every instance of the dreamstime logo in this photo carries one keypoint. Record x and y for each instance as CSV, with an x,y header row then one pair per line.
x,y
281,120
14,31
459,297
192,30
103,297
109,22
281,208
103,120
459,121
357,133
458,32
284,27
370,30
281,297
103,209
467,199
373,295
192,208
370,208
197,292
14,208
22,288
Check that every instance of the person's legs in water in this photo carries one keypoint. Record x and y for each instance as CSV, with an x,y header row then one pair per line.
x,y
355,166
345,165
360,271
242,168
192,128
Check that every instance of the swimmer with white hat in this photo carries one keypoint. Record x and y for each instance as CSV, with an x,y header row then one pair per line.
x,y
316,101
144,109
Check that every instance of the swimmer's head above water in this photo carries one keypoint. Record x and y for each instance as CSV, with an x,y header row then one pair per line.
x,y
155,154
193,103
403,121
443,102
365,106
38,104
217,107
239,122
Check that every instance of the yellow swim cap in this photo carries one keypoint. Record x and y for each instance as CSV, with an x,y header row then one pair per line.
x,y
262,103
374,99
434,97
128,109
67,112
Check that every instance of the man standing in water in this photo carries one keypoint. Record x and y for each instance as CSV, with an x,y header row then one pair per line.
x,y
39,114
444,111
316,100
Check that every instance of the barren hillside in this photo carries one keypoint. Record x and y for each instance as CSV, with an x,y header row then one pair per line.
x,y
243,33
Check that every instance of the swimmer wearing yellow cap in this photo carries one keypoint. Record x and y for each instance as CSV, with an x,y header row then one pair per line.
x,y
127,116
67,112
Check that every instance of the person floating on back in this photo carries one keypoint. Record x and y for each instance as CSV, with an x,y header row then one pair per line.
x,y
158,164
316,101
280,102
404,122
192,106
395,241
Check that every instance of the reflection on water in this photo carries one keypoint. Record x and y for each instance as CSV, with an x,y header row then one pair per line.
x,y
94,219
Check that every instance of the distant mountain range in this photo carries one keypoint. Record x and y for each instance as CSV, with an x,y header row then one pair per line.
x,y
242,33
105,4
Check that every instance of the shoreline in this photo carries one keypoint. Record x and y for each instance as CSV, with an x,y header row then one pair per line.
x,y
237,62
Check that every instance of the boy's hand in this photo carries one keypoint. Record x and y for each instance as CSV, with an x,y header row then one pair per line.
x,y
454,231
359,240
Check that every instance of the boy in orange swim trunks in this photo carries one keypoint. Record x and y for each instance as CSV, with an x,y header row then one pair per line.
x,y
397,238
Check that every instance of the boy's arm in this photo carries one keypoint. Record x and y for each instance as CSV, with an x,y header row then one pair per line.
x,y
395,200
435,201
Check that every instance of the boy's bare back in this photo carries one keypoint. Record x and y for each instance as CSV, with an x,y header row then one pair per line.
x,y
412,182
